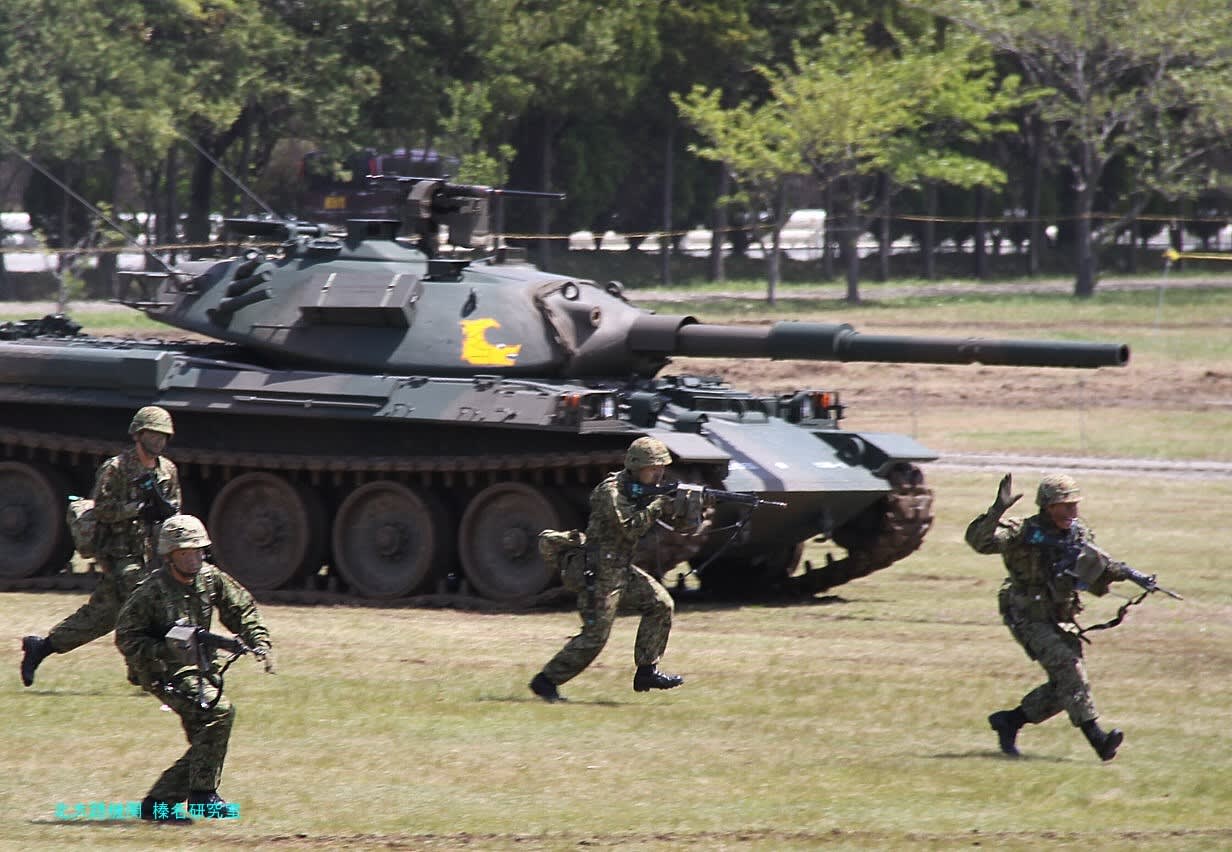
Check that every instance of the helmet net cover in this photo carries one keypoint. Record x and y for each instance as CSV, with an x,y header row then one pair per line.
x,y
182,532
1057,488
153,418
647,452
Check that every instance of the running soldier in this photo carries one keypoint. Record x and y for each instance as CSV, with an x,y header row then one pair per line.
x,y
133,492
184,592
620,514
1039,601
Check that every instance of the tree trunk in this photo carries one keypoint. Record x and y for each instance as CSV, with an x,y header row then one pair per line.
x,y
200,197
883,232
1084,250
1034,190
669,163
169,211
929,245
981,233
773,267
718,271
1084,285
108,260
545,214
827,235
851,233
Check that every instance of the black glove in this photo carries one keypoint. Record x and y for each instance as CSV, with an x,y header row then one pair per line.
x,y
1005,497
155,508
1146,581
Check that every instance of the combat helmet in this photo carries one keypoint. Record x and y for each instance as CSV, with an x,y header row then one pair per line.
x,y
646,452
181,532
1057,488
154,418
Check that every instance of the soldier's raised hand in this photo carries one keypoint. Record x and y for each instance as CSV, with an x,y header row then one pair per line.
x,y
1005,495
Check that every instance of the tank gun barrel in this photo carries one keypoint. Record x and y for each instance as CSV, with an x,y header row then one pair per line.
x,y
675,335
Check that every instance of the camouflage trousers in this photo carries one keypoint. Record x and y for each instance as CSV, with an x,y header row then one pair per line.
x,y
634,591
208,733
1060,654
97,616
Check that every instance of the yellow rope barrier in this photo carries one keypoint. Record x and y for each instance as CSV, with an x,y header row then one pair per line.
x,y
1172,255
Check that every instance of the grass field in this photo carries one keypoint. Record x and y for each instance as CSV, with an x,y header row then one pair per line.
x,y
856,721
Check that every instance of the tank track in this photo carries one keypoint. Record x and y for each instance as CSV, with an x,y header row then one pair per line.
x,y
560,468
878,539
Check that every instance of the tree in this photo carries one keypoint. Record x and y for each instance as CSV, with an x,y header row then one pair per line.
x,y
1139,79
856,111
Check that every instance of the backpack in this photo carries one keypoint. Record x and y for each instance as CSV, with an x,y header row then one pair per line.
x,y
565,552
83,525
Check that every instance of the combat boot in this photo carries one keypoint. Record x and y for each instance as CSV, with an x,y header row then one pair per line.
x,y
1007,723
545,689
649,677
35,649
161,811
207,804
1105,744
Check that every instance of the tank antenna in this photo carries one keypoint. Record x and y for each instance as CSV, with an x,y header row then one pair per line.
x,y
99,213
230,176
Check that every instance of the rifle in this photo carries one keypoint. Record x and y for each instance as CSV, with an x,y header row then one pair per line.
x,y
1088,563
646,493
201,645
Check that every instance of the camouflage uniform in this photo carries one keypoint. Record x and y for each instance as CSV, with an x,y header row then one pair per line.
x,y
169,675
124,545
1035,601
1050,557
616,523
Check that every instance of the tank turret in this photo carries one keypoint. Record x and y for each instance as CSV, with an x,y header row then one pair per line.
x,y
368,416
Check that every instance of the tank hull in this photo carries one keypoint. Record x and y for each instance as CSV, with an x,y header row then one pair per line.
x,y
389,486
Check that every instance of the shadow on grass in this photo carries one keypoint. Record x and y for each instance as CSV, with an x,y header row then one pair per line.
x,y
519,699
995,754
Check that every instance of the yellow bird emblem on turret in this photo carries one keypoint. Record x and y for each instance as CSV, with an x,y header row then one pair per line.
x,y
478,350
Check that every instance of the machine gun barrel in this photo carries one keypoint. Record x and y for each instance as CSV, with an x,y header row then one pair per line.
x,y
677,335
469,190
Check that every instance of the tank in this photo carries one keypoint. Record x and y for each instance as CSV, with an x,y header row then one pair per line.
x,y
359,415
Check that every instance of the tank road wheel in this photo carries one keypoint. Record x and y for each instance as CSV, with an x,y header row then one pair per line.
x,y
266,530
34,537
390,540
498,539
885,532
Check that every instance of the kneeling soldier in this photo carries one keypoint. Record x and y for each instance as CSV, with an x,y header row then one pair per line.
x,y
185,591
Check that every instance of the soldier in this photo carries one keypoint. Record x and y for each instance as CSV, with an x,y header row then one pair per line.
x,y
1039,601
185,590
132,493
620,514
